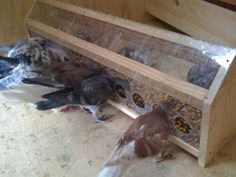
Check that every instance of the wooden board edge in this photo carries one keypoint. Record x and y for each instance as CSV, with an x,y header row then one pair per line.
x,y
232,2
216,84
139,27
196,23
28,14
218,117
192,150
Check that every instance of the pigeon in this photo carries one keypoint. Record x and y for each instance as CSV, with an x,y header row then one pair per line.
x,y
23,57
90,94
146,137
202,75
63,74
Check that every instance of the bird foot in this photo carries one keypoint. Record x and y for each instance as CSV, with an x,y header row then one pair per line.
x,y
105,117
168,156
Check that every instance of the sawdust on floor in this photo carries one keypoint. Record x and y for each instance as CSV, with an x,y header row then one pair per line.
x,y
47,144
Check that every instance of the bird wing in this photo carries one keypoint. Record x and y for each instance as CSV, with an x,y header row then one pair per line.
x,y
68,74
43,82
60,96
95,91
74,76
146,131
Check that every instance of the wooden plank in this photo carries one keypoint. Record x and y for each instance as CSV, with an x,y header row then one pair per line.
x,y
218,122
12,14
197,18
142,28
172,138
233,2
169,84
132,9
223,4
163,25
28,14
114,37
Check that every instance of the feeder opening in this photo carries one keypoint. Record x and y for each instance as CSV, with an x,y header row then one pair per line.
x,y
182,125
138,100
120,91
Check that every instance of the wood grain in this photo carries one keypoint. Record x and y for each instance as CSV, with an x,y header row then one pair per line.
x,y
12,14
142,28
197,18
132,9
233,2
218,123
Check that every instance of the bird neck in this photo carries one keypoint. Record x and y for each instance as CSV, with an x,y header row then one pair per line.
x,y
159,110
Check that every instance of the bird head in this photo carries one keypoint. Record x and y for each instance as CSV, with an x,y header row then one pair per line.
x,y
163,105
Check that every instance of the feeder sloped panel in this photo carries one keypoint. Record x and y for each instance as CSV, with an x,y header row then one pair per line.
x,y
160,66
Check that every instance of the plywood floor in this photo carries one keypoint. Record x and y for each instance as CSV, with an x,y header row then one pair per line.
x,y
37,144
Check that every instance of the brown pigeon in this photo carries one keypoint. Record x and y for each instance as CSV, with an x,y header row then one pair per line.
x,y
146,137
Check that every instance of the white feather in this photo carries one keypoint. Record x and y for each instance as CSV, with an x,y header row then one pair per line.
x,y
119,161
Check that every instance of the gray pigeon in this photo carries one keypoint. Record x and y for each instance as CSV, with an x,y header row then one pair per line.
x,y
24,57
202,75
90,94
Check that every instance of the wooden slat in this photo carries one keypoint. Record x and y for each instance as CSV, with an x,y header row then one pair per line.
x,y
172,138
145,74
12,14
132,9
218,122
233,2
140,27
197,18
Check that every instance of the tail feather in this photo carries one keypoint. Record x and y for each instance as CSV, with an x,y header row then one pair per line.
x,y
10,60
43,82
5,72
119,161
47,105
60,95
113,171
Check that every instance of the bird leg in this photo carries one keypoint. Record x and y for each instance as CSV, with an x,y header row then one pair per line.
x,y
165,154
163,157
95,110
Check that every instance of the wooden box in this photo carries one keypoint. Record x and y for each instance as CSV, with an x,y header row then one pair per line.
x,y
160,65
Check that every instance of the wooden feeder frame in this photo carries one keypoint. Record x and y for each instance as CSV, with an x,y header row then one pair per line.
x,y
218,122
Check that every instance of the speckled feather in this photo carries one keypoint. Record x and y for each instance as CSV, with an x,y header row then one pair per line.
x,y
40,53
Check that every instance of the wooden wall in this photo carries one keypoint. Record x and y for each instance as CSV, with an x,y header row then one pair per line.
x,y
12,13
207,26
130,9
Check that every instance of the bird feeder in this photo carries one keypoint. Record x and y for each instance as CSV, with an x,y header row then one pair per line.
x,y
196,77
